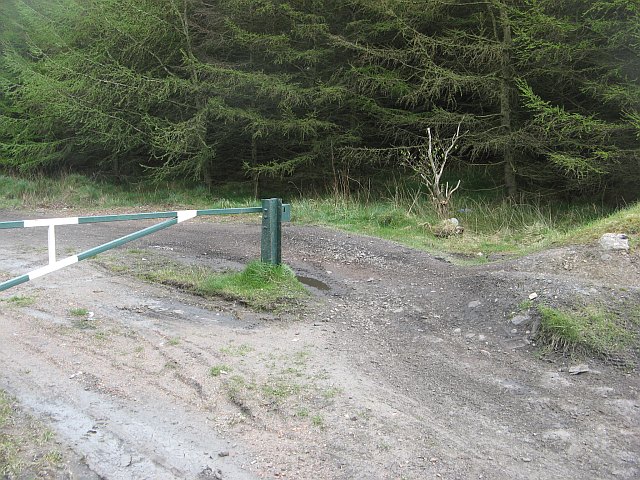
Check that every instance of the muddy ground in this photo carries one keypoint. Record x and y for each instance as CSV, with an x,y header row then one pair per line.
x,y
398,366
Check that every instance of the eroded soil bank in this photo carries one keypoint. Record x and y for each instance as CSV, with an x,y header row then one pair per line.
x,y
406,367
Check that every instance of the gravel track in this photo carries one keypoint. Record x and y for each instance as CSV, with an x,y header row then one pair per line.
x,y
404,367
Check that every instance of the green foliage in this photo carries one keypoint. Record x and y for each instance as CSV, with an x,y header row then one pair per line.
x,y
581,123
321,93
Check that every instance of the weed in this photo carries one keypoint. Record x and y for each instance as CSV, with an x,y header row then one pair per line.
x,y
302,412
79,312
331,393
218,370
591,330
102,336
525,305
318,421
492,224
174,341
84,324
292,371
237,350
236,387
53,457
280,389
80,191
301,357
20,301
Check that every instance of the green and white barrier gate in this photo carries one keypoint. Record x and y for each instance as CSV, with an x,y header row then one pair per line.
x,y
274,212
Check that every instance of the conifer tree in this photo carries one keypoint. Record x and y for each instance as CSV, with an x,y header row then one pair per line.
x,y
580,62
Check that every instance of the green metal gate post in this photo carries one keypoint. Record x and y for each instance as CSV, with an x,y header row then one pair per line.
x,y
271,242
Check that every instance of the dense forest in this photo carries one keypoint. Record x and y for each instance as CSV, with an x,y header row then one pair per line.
x,y
324,93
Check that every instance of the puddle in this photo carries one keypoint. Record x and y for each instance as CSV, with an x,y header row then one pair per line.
x,y
312,282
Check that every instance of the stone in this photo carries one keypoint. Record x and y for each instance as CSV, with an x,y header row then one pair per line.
x,y
614,241
533,296
474,304
578,369
448,227
520,319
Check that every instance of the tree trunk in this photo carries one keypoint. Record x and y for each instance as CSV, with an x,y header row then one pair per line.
x,y
254,163
506,82
115,167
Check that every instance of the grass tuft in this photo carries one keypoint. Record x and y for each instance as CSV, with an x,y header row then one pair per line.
x,y
79,312
590,331
20,301
218,370
237,350
260,285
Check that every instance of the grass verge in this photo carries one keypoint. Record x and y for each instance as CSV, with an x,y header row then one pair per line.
x,y
78,191
592,330
492,225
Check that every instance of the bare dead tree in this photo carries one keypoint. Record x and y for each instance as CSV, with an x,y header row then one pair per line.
x,y
429,162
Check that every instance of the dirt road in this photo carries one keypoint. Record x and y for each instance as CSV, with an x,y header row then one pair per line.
x,y
403,367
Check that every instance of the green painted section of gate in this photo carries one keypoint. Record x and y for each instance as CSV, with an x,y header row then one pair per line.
x,y
126,239
19,224
13,282
271,242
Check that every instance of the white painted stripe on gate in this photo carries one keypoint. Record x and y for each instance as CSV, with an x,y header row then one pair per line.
x,y
52,268
52,244
47,222
186,215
